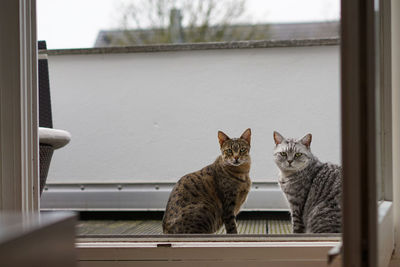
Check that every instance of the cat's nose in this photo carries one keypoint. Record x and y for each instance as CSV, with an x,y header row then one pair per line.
x,y
236,157
290,161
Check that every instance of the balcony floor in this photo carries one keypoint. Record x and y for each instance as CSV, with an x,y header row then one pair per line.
x,y
255,223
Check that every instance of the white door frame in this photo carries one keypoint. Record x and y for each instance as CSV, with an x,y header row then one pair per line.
x,y
395,17
19,172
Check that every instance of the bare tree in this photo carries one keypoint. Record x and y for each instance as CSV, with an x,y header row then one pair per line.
x,y
169,21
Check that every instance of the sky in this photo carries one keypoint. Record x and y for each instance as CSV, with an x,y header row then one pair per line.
x,y
76,23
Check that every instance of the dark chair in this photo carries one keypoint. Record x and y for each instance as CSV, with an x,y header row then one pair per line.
x,y
49,138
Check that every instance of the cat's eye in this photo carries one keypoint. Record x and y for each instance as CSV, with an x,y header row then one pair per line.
x,y
228,151
297,155
283,154
243,149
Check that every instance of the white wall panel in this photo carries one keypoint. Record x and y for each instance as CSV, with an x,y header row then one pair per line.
x,y
155,116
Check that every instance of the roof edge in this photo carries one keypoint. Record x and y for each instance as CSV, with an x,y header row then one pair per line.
x,y
195,46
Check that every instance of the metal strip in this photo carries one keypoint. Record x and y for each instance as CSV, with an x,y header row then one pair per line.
x,y
195,46
265,196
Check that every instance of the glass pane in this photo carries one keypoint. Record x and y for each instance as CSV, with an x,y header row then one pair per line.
x,y
142,116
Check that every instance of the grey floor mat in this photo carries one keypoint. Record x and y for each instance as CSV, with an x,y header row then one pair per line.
x,y
153,227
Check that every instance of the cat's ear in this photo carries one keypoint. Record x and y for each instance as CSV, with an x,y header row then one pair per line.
x,y
246,135
278,138
306,140
222,137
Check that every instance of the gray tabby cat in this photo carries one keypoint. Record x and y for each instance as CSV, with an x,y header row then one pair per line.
x,y
202,201
312,188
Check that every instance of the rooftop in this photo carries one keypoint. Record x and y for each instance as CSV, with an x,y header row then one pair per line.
x,y
282,31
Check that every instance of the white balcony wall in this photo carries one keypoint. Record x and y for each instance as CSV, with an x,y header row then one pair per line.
x,y
154,116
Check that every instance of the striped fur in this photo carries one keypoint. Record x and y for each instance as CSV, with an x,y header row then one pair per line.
x,y
202,201
312,188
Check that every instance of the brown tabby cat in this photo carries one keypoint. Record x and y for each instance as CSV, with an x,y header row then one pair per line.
x,y
202,201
